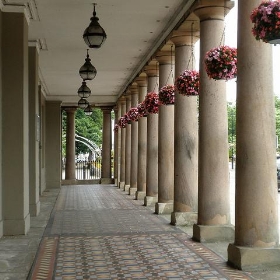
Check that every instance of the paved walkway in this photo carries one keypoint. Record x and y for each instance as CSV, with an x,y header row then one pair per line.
x,y
99,232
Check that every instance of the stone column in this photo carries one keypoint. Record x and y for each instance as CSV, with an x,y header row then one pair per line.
x,y
134,142
119,143
106,176
165,137
152,140
116,146
1,93
185,132
70,144
53,144
15,126
127,146
213,172
256,243
142,142
122,149
34,130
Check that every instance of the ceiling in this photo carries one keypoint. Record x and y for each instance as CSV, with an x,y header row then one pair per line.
x,y
135,30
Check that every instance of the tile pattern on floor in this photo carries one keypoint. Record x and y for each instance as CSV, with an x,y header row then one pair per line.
x,y
104,234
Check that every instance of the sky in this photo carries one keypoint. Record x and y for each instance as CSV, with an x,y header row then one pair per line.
x,y
230,40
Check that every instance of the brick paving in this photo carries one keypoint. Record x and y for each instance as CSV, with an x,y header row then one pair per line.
x,y
99,232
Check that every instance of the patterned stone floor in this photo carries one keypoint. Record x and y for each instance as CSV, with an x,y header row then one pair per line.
x,y
99,232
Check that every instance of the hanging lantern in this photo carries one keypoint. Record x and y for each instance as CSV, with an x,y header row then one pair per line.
x,y
94,35
87,71
84,91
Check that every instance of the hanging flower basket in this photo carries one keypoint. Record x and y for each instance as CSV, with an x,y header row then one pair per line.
x,y
221,63
127,118
167,95
116,128
152,102
188,83
133,114
122,122
142,110
266,20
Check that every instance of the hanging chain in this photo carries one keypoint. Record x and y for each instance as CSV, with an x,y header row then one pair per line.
x,y
192,57
171,70
156,84
224,31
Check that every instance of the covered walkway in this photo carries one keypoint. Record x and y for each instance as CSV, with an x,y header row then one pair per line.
x,y
100,232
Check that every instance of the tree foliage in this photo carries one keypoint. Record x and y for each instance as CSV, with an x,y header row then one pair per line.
x,y
89,127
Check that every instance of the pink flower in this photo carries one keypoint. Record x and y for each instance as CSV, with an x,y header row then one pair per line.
x,y
220,63
265,19
188,82
167,95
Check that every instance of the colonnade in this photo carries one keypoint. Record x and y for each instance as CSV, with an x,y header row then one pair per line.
x,y
186,169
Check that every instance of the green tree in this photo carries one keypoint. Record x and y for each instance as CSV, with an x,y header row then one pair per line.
x,y
89,127
231,108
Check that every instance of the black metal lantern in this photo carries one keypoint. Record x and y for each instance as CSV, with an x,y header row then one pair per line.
x,y
88,110
94,35
83,103
84,91
87,71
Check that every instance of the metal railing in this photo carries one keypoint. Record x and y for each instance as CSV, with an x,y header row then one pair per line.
x,y
86,170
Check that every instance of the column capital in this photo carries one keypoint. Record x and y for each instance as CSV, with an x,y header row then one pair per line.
x,y
188,32
106,109
133,88
213,9
141,80
70,109
167,54
152,69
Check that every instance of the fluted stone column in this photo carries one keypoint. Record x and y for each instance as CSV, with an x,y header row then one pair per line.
x,y
70,144
142,142
15,136
213,174
34,130
185,135
165,138
127,146
116,147
152,140
106,176
134,142
256,243
122,150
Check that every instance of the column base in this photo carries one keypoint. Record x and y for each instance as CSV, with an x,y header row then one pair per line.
x,y
150,200
183,218
126,188
250,259
163,208
132,191
140,195
106,181
121,185
34,209
202,233
16,227
116,182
